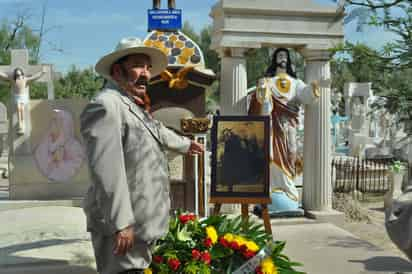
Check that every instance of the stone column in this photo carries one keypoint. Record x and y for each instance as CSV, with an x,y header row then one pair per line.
x,y
317,189
233,82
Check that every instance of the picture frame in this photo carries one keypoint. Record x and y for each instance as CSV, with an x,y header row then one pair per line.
x,y
240,159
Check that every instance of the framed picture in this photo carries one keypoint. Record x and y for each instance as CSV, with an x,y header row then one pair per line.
x,y
240,157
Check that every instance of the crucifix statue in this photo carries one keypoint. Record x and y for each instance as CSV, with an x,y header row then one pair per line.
x,y
19,85
20,73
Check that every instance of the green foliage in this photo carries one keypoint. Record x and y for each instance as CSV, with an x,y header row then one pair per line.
x,y
78,83
397,166
17,35
393,16
389,69
257,61
232,242
189,30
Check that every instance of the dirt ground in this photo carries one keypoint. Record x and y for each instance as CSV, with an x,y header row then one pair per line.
x,y
365,219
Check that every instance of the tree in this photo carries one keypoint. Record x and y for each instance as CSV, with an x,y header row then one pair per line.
x,y
394,16
389,69
78,83
360,64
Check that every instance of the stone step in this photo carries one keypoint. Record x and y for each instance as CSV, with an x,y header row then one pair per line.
x,y
20,204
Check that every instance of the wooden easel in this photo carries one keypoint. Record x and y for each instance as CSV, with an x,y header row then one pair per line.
x,y
245,202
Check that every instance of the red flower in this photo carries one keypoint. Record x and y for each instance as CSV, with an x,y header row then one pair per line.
x,y
196,254
223,242
173,264
187,217
243,248
208,242
206,258
234,245
158,259
259,270
248,254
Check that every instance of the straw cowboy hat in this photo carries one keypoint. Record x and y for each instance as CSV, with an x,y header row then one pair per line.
x,y
128,46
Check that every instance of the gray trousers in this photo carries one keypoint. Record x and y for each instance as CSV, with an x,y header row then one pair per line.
x,y
139,257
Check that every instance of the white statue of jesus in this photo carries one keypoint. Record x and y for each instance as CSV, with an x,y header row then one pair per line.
x,y
20,90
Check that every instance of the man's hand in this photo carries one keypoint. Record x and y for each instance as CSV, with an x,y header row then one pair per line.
x,y
195,148
124,241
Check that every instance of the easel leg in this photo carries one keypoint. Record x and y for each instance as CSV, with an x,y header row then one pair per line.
x,y
245,213
216,209
266,219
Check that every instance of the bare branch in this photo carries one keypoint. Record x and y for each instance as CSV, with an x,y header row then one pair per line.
x,y
41,33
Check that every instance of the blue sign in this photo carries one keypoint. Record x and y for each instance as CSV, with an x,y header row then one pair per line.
x,y
165,19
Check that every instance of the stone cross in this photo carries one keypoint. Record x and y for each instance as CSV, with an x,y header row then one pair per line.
x,y
20,59
361,92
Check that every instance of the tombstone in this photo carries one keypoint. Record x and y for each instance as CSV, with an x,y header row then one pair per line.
x,y
3,128
3,140
176,95
356,108
54,166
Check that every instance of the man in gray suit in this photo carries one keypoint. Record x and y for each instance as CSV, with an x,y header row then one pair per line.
x,y
127,205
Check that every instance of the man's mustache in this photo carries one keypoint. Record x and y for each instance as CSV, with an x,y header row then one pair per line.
x,y
142,81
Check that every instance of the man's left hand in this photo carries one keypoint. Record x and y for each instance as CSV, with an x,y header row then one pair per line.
x,y
195,148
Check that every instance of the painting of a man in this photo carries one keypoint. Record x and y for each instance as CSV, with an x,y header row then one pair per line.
x,y
240,157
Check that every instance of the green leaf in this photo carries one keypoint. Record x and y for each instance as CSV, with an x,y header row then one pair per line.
x,y
183,234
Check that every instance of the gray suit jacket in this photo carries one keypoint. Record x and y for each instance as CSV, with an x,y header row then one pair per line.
x,y
128,166
398,221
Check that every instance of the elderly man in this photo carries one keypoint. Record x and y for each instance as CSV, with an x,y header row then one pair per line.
x,y
127,205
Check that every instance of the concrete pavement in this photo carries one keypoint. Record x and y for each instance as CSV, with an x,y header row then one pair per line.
x,y
54,240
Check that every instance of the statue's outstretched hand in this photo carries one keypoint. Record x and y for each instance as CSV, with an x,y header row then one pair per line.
x,y
317,84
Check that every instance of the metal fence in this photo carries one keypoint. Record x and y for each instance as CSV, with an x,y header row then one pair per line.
x,y
366,176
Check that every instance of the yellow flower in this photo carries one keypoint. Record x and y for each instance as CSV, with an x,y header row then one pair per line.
x,y
252,246
228,237
268,267
148,271
240,240
211,234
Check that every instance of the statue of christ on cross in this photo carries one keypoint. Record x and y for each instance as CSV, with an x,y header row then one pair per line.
x,y
19,84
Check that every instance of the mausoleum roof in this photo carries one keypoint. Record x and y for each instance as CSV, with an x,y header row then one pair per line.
x,y
182,52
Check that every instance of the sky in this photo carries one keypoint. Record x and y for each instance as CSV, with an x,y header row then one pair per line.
x,y
86,30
